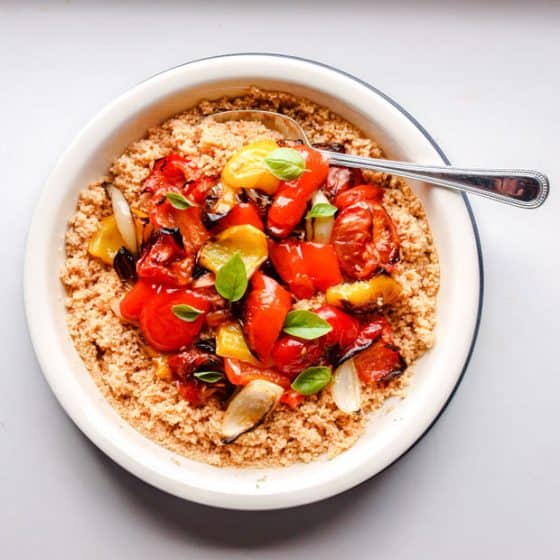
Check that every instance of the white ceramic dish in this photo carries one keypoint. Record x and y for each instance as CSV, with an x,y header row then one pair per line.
x,y
394,430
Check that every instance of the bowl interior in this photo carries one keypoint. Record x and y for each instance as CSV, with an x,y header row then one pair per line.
x,y
391,431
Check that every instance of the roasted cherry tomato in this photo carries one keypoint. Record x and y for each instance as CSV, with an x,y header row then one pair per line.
x,y
240,373
165,262
287,258
244,213
133,302
162,329
292,398
322,264
380,363
345,328
365,238
291,198
358,194
265,310
292,355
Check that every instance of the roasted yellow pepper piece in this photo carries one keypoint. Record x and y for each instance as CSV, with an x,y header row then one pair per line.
x,y
380,290
246,169
247,240
106,241
230,343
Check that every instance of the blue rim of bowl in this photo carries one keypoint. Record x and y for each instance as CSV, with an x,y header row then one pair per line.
x,y
441,153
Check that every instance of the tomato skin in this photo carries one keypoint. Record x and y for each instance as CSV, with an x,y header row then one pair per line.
x,y
240,373
292,398
165,262
290,200
322,264
292,355
135,299
353,243
185,363
345,328
287,258
265,310
385,238
358,194
162,329
193,232
379,364
241,214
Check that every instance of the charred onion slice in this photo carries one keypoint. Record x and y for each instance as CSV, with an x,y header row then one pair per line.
x,y
249,408
123,216
346,390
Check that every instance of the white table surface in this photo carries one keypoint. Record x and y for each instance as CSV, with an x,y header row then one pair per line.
x,y
484,80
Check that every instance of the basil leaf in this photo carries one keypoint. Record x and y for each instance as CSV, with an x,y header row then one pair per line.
x,y
322,210
285,163
186,312
306,324
209,376
312,379
178,201
231,280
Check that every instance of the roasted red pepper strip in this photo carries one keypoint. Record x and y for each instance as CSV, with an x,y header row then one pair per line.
x,y
369,332
240,373
287,258
306,267
165,262
265,310
291,198
292,355
162,329
322,265
241,214
380,363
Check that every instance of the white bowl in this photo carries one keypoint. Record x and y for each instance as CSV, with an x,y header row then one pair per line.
x,y
394,431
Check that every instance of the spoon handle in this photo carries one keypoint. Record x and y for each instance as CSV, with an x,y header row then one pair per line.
x,y
519,187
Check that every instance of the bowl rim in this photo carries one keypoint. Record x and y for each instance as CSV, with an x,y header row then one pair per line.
x,y
480,291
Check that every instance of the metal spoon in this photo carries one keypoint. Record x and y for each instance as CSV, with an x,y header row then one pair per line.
x,y
519,187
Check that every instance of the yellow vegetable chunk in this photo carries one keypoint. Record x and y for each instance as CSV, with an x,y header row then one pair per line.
x,y
246,168
230,343
379,290
247,240
106,241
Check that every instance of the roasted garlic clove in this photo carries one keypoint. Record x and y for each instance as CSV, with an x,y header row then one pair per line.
x,y
249,408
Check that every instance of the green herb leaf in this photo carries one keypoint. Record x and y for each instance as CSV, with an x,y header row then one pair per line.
x,y
178,201
322,210
186,312
306,324
312,379
209,376
285,163
231,280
